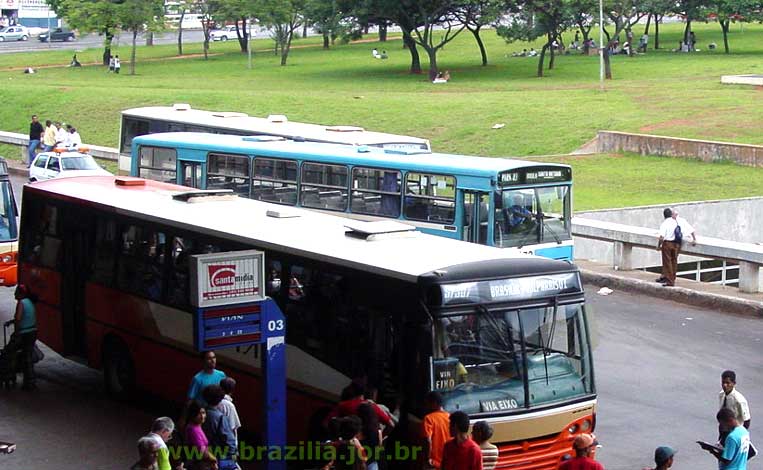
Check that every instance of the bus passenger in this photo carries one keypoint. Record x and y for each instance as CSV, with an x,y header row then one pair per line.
x,y
436,428
148,450
195,437
209,375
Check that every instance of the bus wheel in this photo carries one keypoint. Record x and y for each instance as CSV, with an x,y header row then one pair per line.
x,y
118,369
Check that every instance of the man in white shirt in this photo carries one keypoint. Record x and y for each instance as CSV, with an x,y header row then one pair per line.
x,y
669,246
62,134
226,406
729,397
74,139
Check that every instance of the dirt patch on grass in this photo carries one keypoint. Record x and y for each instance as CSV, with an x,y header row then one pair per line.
x,y
669,124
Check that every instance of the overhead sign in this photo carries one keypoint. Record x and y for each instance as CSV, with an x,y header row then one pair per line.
x,y
513,289
227,278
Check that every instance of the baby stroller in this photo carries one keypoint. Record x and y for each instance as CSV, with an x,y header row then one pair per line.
x,y
9,363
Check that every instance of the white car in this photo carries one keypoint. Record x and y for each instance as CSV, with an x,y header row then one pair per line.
x,y
225,33
64,163
15,33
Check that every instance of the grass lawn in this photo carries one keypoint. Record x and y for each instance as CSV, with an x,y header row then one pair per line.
x,y
660,93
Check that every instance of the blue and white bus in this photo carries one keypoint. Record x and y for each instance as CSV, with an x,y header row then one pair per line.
x,y
492,201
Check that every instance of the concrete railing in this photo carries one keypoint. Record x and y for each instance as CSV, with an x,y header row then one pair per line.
x,y
665,146
22,140
626,237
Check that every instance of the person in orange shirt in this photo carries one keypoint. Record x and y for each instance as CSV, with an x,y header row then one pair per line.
x,y
436,429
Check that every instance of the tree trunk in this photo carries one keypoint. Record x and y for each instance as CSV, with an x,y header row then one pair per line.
x,y
411,45
243,36
648,23
553,53
483,52
150,38
657,32
725,27
304,32
382,32
607,65
132,53
541,58
180,38
325,40
109,38
687,29
432,54
285,48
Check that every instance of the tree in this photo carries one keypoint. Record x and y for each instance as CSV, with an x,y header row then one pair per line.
x,y
99,16
137,16
423,16
326,16
726,11
476,14
533,19
239,12
581,15
655,9
689,9
284,16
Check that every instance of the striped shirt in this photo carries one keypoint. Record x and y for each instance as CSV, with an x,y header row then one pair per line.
x,y
489,455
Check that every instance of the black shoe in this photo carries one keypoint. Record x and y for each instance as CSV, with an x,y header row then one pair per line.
x,y
661,279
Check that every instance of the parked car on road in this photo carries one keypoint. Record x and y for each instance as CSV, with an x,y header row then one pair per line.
x,y
58,34
14,33
64,163
225,33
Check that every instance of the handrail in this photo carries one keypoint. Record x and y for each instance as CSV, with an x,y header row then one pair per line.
x,y
626,237
103,153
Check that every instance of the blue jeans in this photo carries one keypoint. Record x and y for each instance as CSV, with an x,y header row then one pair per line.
x,y
33,144
47,148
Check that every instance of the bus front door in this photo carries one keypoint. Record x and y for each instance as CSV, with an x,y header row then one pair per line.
x,y
190,174
475,216
78,244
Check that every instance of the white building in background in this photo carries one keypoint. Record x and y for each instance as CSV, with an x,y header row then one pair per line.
x,y
30,13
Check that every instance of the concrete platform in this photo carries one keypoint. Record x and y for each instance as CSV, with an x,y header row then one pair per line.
x,y
700,294
751,79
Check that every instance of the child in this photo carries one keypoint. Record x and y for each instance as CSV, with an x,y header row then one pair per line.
x,y
481,433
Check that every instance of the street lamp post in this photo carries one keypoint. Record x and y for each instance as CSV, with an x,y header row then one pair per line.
x,y
49,41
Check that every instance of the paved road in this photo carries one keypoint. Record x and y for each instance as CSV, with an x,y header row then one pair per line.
x,y
658,368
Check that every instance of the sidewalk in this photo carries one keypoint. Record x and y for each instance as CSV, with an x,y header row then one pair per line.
x,y
700,294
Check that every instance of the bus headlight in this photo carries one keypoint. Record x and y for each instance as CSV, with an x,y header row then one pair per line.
x,y
572,429
7,258
585,426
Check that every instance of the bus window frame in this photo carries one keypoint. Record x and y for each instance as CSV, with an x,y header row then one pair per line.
x,y
124,147
407,195
398,194
153,168
247,166
285,183
301,186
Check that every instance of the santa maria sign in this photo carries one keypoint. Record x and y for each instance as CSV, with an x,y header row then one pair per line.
x,y
227,278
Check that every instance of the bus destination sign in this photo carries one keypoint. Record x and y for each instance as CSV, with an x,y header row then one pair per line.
x,y
535,175
227,278
514,289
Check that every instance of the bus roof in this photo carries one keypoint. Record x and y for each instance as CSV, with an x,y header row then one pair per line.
x,y
333,153
405,255
275,125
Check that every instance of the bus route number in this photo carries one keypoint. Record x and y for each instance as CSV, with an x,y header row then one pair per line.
x,y
275,325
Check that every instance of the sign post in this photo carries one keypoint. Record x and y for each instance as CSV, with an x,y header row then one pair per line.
x,y
231,310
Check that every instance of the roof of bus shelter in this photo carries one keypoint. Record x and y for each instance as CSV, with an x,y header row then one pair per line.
x,y
342,154
303,233
241,122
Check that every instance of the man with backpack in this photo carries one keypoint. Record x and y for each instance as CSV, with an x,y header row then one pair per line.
x,y
672,232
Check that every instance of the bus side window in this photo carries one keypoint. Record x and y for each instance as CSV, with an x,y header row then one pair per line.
x,y
141,260
430,197
42,239
178,290
228,172
273,272
105,257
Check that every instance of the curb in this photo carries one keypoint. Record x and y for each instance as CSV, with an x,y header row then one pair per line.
x,y
682,295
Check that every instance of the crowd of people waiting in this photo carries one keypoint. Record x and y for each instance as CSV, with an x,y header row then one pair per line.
x,y
357,427
52,135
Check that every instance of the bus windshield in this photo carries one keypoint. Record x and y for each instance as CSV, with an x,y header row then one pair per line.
x,y
504,359
8,229
532,215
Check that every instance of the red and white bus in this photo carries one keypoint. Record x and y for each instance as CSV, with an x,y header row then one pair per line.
x,y
503,336
9,236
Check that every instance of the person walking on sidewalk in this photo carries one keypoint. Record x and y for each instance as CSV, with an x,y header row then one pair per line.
x,y
672,231
35,135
